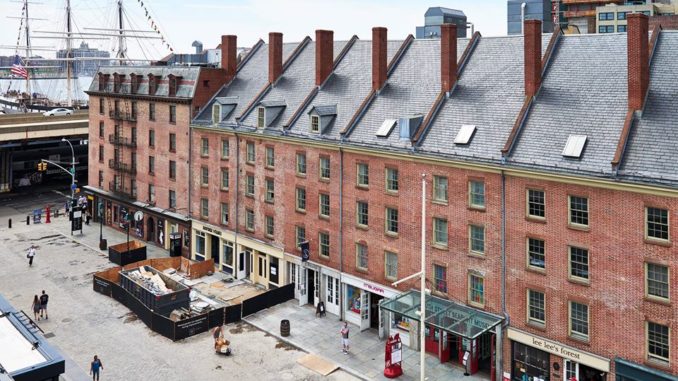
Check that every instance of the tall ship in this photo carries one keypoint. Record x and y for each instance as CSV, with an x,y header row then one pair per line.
x,y
51,67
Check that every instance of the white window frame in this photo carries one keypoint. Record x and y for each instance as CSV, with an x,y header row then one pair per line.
x,y
225,213
530,319
570,331
315,121
361,249
440,195
471,302
389,266
647,282
261,117
362,179
471,193
436,232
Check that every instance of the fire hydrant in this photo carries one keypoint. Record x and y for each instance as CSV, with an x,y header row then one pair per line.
x,y
47,220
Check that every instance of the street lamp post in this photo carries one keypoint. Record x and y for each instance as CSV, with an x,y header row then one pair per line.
x,y
72,169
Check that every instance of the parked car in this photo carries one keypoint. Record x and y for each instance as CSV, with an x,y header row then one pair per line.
x,y
58,112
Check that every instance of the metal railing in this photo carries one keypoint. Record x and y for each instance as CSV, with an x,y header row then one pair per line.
x,y
122,141
123,167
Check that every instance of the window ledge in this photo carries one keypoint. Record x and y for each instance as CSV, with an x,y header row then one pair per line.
x,y
249,195
361,270
302,211
324,217
442,294
439,246
204,156
657,363
657,241
363,187
439,202
324,257
362,227
249,230
539,220
391,234
579,281
269,236
476,254
173,151
269,167
173,179
223,189
391,192
204,185
301,175
536,270
224,158
481,209
580,339
324,179
269,201
536,325
476,305
657,299
249,163
583,228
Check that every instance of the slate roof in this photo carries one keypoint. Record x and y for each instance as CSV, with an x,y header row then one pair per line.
x,y
584,92
347,88
410,90
185,89
248,82
489,94
652,149
293,86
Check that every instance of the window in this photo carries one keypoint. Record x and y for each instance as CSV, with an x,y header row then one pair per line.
x,y
200,244
579,210
225,149
362,212
658,342
300,234
133,185
270,225
536,257
204,147
173,142
657,281
606,16
172,114
324,243
173,169
579,320
301,199
391,179
204,176
621,28
249,185
151,111
324,204
324,168
440,188
133,110
536,307
301,164
224,213
476,194
621,15
204,208
151,193
363,176
657,223
361,256
440,276
579,264
476,290
606,29
101,106
535,204
440,231
116,108
476,239
270,190
101,179
391,265
101,153
392,221
270,157
251,154
172,199
151,138
315,123
224,178
101,129
261,112
249,219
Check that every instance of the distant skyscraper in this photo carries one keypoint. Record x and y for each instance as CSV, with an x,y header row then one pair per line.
x,y
534,10
436,16
86,67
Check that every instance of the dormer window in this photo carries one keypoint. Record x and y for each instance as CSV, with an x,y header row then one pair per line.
x,y
173,85
315,123
117,82
261,114
152,84
216,113
103,81
134,83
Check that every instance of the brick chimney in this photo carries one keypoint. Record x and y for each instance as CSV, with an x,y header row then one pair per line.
x,y
274,56
379,64
324,55
448,56
638,59
532,39
229,55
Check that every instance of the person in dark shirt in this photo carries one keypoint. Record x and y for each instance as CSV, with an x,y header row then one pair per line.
x,y
95,366
44,298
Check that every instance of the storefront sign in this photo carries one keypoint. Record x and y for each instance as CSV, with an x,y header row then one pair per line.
x,y
563,351
212,231
374,289
368,286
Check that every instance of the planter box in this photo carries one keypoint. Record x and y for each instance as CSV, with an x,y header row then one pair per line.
x,y
119,255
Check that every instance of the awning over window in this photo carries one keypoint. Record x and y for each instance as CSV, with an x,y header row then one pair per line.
x,y
453,317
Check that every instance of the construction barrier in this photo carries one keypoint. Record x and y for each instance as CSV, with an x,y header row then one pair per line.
x,y
268,299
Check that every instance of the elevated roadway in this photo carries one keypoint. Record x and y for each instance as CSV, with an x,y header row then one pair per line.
x,y
21,127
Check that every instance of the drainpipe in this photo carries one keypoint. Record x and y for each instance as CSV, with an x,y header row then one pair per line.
x,y
237,202
499,345
190,172
341,232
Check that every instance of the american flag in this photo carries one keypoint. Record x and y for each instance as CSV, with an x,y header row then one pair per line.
x,y
18,69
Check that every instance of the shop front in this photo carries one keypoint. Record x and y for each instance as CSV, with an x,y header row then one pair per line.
x,y
155,225
361,304
626,370
454,332
540,359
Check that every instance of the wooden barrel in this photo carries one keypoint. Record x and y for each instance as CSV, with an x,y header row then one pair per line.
x,y
284,328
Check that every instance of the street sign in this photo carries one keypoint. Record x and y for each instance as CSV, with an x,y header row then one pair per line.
x,y
138,216
73,186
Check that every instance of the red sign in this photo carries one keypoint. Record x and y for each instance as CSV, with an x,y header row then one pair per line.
x,y
393,357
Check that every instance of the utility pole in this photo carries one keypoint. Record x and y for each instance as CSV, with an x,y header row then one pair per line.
x,y
422,316
72,169
122,49
69,47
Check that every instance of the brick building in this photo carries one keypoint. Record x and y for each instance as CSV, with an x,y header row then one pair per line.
x,y
549,201
140,146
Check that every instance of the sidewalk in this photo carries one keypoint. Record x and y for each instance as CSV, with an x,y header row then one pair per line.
x,y
320,336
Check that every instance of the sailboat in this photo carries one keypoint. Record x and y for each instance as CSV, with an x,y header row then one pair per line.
x,y
22,88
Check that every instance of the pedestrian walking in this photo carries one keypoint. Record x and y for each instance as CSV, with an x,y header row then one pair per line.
x,y
94,368
36,308
344,338
44,298
31,255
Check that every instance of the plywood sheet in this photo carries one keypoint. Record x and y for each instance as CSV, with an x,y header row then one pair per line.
x,y
318,364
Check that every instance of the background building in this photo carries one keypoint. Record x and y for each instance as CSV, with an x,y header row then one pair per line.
x,y
612,18
534,10
85,67
436,16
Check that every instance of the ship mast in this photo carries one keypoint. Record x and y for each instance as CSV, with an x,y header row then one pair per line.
x,y
28,52
122,49
69,48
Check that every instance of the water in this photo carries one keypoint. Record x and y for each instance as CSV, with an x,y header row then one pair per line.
x,y
54,89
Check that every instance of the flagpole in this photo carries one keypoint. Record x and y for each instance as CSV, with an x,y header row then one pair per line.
x,y
28,52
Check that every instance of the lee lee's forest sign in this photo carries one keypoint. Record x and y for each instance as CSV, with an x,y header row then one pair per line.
x,y
563,351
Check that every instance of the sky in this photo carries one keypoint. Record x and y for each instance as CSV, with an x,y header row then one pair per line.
x,y
184,21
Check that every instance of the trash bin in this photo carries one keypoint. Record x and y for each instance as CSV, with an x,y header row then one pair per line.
x,y
284,328
103,244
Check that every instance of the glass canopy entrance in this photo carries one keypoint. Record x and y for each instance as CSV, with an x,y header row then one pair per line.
x,y
447,315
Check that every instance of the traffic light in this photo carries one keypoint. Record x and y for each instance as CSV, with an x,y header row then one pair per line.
x,y
42,166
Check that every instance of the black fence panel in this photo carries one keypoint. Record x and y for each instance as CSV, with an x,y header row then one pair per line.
x,y
119,294
190,327
142,312
162,325
268,299
232,314
215,318
102,286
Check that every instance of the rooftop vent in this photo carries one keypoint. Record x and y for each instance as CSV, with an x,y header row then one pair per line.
x,y
465,134
386,128
574,146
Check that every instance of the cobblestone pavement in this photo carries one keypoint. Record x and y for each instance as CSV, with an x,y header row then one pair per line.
x,y
84,323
